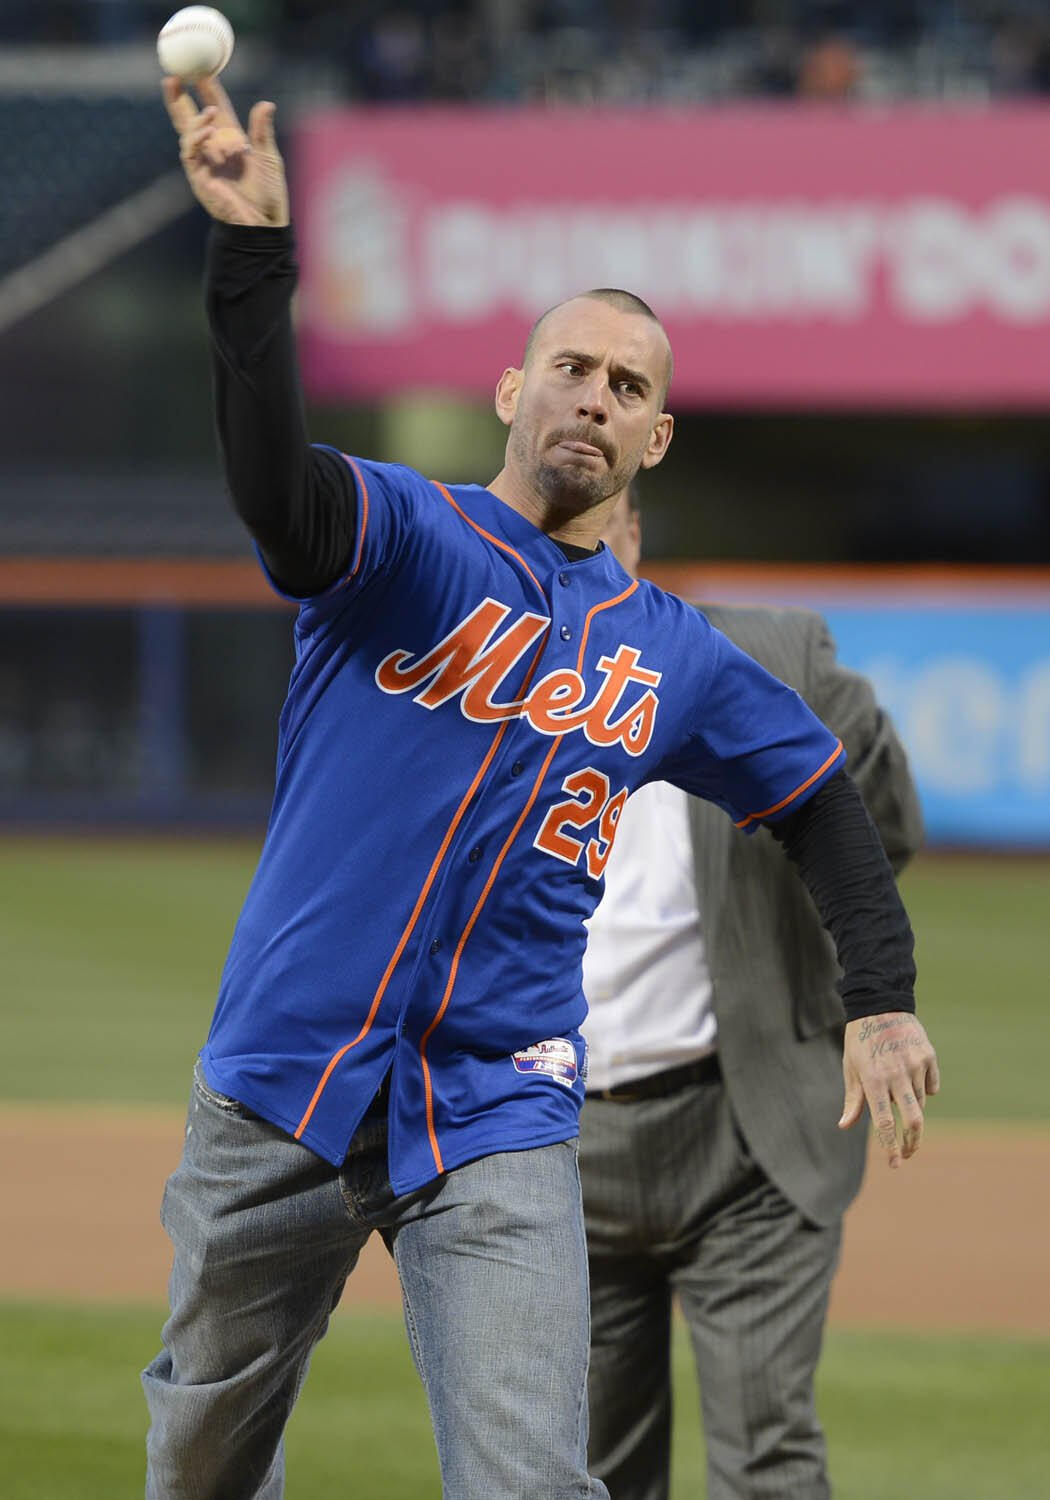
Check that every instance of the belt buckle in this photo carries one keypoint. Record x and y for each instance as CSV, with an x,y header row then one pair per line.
x,y
619,1094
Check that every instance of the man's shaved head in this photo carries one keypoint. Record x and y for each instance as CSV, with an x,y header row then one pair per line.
x,y
616,297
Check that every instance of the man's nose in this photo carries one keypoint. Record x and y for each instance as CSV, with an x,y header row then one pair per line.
x,y
592,403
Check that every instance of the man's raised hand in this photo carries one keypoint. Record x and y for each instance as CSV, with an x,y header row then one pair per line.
x,y
238,178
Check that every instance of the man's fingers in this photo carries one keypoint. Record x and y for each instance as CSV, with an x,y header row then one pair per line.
x,y
933,1077
193,144
181,107
212,92
228,141
260,126
909,1108
852,1104
884,1124
194,126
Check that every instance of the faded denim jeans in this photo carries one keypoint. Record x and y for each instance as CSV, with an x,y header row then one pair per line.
x,y
492,1263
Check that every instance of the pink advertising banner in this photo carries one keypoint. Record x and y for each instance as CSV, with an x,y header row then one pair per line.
x,y
798,256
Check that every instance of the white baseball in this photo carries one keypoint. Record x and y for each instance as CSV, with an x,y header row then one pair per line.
x,y
195,43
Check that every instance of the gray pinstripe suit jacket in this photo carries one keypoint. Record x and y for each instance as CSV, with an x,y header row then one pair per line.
x,y
773,967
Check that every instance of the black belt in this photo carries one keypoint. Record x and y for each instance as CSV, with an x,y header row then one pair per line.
x,y
658,1085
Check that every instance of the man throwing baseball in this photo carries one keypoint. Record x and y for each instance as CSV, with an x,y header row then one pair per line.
x,y
478,688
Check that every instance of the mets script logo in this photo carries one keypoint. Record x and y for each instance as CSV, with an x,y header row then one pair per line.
x,y
474,660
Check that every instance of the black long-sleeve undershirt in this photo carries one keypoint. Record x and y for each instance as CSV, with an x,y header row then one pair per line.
x,y
298,502
835,846
300,505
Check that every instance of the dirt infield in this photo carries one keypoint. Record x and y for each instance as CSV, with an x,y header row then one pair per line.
x,y
955,1240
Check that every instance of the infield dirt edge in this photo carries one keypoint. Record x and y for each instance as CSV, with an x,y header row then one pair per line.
x,y
950,1242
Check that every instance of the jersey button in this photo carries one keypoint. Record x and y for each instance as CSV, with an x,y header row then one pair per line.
x,y
475,854
517,768
566,633
563,579
435,946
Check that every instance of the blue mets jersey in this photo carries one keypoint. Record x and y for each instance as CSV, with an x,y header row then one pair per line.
x,y
467,715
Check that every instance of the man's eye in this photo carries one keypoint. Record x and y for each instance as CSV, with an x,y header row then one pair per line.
x,y
572,368
630,388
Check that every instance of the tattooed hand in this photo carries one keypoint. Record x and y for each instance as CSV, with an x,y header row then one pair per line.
x,y
889,1061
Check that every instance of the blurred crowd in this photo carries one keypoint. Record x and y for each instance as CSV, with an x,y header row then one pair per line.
x,y
609,51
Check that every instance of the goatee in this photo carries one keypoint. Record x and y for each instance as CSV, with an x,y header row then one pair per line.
x,y
572,487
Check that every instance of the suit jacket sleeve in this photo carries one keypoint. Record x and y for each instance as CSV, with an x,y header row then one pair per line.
x,y
876,759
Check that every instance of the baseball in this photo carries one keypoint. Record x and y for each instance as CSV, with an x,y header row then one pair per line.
x,y
195,43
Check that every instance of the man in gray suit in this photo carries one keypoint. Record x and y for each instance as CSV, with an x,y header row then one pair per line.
x,y
714,1011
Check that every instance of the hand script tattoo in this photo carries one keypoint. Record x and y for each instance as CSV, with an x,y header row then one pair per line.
x,y
872,1025
888,1046
884,1046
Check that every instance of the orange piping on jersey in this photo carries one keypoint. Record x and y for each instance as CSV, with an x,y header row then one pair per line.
x,y
596,609
363,522
395,959
490,882
754,817
503,546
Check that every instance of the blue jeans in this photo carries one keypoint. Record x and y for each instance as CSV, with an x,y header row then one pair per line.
x,y
492,1263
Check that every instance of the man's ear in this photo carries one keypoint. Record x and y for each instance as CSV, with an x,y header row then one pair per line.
x,y
507,392
659,440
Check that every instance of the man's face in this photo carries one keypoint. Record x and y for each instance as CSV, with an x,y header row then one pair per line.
x,y
584,413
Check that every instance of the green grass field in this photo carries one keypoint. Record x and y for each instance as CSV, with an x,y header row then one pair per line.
x,y
959,1419
111,953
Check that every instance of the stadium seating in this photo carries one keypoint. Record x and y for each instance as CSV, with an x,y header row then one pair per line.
x,y
64,160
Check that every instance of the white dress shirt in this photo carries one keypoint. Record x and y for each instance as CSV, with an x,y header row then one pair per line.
x,y
645,973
